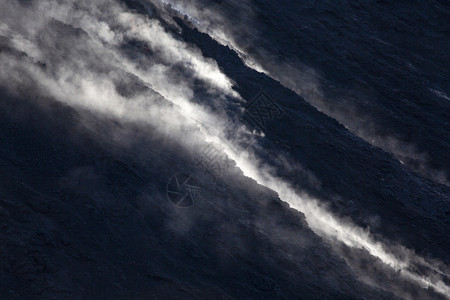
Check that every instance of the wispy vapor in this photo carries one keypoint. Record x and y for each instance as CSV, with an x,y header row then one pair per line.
x,y
82,68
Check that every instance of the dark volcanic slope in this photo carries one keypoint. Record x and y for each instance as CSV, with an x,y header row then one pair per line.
x,y
381,68
87,195
86,219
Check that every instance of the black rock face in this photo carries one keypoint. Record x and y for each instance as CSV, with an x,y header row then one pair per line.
x,y
98,205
